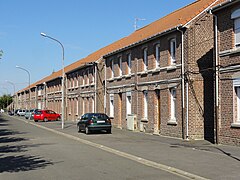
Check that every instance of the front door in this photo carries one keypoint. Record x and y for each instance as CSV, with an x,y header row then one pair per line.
x,y
158,109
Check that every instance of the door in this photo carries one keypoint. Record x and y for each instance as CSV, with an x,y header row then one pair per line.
x,y
158,110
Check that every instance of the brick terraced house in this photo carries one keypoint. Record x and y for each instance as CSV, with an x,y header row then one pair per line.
x,y
227,15
159,79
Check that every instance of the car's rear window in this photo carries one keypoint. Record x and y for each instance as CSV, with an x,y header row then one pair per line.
x,y
38,112
98,116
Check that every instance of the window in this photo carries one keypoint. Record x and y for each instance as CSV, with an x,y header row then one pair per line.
x,y
120,65
83,106
82,77
87,77
93,77
145,103
157,55
236,102
145,59
77,106
73,82
129,103
173,51
236,17
237,91
173,104
129,63
93,105
112,68
111,105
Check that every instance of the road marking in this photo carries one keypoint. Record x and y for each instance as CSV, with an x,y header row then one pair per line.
x,y
140,160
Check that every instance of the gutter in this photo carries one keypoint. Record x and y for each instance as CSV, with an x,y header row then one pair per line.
x,y
223,5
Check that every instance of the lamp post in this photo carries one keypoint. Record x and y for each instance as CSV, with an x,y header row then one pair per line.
x,y
63,76
14,90
28,84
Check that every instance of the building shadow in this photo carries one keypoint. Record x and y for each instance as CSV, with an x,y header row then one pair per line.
x,y
205,65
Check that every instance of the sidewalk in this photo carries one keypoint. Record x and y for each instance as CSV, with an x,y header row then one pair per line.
x,y
197,157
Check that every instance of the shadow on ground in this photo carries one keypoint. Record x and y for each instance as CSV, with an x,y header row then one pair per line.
x,y
10,160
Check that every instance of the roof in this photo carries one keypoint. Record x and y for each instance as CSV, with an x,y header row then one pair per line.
x,y
180,17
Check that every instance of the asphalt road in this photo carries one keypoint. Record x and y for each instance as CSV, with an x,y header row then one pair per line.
x,y
43,150
29,152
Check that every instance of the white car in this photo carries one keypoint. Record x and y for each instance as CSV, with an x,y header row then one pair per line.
x,y
21,112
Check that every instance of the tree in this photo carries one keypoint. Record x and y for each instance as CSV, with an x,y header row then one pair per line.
x,y
5,100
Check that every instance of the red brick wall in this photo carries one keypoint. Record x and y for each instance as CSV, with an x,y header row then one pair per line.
x,y
227,114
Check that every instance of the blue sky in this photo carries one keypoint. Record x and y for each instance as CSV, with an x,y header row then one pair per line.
x,y
82,26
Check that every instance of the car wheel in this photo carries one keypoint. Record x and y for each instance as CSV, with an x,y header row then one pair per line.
x,y
35,120
109,131
79,129
87,131
58,119
45,119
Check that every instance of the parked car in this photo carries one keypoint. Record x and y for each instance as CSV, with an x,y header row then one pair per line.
x,y
94,122
21,112
10,113
46,115
30,113
15,112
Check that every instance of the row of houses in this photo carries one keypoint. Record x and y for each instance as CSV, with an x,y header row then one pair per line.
x,y
178,76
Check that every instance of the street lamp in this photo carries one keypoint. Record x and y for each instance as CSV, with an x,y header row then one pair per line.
x,y
63,76
28,84
13,93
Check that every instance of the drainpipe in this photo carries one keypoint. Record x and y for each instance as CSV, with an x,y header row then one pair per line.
x,y
183,88
216,79
105,86
95,77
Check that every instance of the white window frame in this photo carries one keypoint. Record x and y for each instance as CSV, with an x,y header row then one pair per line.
x,y
83,79
73,82
83,105
236,17
120,65
129,63
145,59
112,68
236,102
145,105
237,121
87,77
157,55
77,104
93,105
128,103
173,49
173,109
111,103
93,76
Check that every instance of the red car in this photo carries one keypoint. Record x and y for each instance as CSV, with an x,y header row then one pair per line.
x,y
46,115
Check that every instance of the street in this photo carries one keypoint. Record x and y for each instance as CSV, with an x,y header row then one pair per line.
x,y
30,150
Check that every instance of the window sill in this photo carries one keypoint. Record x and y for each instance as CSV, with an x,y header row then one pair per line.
x,y
172,122
229,52
235,125
172,67
145,120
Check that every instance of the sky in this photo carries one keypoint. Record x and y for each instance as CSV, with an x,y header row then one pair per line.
x,y
82,26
